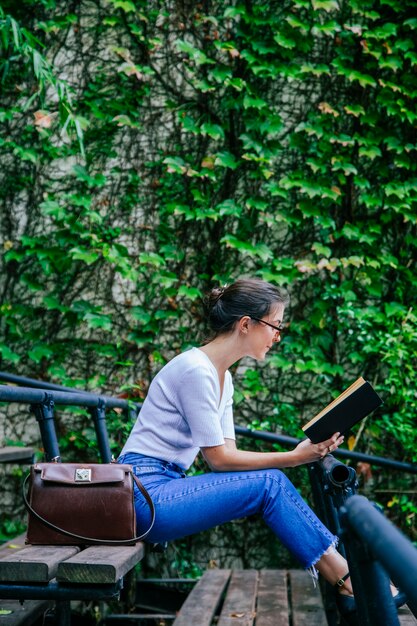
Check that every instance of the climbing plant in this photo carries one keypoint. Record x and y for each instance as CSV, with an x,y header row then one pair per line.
x,y
218,140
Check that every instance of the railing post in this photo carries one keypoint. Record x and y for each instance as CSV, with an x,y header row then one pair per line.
x,y
370,582
332,482
98,414
44,413
387,545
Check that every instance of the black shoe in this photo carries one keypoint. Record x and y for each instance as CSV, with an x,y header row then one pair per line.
x,y
346,604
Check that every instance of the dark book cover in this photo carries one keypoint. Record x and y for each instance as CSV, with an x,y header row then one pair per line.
x,y
345,412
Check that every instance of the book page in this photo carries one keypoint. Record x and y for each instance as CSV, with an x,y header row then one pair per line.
x,y
358,383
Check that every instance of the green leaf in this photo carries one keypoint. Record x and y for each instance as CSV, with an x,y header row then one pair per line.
x,y
189,292
226,159
126,5
196,55
51,207
321,250
355,109
228,207
99,180
175,165
253,250
213,130
371,152
395,309
253,102
8,354
97,320
152,258
285,42
87,256
325,5
37,353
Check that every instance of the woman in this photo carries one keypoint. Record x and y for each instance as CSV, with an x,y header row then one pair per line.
x,y
189,409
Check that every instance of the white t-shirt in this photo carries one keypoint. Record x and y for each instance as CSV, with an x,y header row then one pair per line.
x,y
183,411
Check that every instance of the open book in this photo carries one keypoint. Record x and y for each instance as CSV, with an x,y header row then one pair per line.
x,y
355,403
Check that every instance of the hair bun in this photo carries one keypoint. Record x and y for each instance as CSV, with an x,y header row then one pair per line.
x,y
215,295
217,292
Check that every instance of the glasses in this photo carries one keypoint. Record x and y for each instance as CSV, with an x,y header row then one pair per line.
x,y
278,328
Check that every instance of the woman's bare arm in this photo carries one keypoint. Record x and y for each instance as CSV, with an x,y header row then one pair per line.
x,y
227,457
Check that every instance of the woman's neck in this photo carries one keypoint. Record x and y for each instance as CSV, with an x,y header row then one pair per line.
x,y
223,351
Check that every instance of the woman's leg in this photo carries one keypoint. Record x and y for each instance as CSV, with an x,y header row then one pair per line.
x,y
190,505
333,567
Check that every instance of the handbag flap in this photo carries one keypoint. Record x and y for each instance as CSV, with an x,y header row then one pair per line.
x,y
82,474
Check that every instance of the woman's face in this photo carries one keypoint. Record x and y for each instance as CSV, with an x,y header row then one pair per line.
x,y
262,337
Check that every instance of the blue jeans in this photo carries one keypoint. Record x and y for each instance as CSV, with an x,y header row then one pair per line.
x,y
188,505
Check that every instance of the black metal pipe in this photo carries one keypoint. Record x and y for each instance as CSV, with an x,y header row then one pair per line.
x,y
98,414
58,591
371,585
396,553
44,413
36,384
337,473
343,454
27,395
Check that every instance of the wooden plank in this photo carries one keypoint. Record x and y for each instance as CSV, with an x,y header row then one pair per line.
x,y
306,603
15,613
34,563
272,609
16,454
405,617
201,604
100,564
239,605
13,545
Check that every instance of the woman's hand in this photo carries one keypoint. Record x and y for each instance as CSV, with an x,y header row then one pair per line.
x,y
307,451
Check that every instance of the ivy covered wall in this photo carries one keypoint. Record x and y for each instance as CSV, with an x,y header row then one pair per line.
x,y
173,145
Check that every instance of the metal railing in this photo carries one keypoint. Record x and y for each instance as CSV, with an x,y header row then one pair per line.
x,y
373,547
44,397
377,551
341,454
333,486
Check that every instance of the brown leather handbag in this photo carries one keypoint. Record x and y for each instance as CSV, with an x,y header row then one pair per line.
x,y
82,504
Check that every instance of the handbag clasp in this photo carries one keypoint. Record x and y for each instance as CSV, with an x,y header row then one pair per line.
x,y
83,475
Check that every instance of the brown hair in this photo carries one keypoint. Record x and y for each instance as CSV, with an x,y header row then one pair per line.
x,y
251,296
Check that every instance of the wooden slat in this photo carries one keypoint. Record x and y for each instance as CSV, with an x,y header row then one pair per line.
x,y
405,617
34,563
239,605
272,608
16,454
306,603
100,564
14,613
13,545
200,606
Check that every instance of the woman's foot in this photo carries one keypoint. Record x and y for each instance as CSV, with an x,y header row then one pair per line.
x,y
346,602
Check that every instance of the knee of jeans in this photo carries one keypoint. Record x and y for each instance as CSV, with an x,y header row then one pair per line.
x,y
274,479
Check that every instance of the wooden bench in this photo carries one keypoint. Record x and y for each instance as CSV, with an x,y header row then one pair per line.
x,y
16,454
253,598
42,575
13,612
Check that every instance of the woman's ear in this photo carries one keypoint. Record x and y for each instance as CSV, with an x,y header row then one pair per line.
x,y
243,324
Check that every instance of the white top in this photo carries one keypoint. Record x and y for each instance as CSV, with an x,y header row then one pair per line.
x,y
183,411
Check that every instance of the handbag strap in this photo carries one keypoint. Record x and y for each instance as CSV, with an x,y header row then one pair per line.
x,y
113,542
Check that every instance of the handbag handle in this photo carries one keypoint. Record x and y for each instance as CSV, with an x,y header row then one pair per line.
x,y
114,542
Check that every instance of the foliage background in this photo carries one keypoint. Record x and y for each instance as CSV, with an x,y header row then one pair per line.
x,y
152,149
